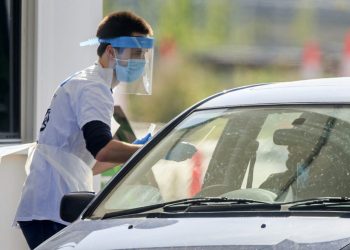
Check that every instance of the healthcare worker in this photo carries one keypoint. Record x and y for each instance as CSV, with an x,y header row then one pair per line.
x,y
76,130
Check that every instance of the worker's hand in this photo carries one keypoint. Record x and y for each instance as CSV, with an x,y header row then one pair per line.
x,y
143,140
182,151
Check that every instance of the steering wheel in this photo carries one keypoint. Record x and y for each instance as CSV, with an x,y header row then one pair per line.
x,y
256,194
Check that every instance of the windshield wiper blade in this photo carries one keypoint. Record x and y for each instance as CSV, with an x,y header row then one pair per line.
x,y
131,211
317,203
213,204
205,200
187,202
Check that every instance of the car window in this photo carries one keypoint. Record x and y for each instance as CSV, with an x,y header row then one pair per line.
x,y
271,154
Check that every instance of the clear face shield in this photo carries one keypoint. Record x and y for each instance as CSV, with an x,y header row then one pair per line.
x,y
133,63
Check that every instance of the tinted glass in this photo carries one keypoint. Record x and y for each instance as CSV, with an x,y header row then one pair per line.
x,y
9,69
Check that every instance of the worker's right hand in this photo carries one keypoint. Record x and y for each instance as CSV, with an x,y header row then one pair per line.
x,y
143,140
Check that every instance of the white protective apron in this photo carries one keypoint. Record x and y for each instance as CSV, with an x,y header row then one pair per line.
x,y
76,173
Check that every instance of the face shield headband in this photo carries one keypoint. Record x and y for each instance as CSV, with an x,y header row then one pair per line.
x,y
134,64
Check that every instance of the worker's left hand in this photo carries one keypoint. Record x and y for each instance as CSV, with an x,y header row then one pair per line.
x,y
143,140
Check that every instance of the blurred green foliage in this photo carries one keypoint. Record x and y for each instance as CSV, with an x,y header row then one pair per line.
x,y
197,27
174,89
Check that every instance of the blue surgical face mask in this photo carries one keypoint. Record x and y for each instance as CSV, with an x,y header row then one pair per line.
x,y
131,72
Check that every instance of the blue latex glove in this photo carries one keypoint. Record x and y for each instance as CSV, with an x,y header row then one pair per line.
x,y
143,140
182,151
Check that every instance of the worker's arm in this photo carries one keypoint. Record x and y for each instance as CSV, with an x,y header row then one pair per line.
x,y
103,147
116,151
101,167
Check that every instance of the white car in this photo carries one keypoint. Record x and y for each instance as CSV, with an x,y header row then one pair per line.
x,y
257,167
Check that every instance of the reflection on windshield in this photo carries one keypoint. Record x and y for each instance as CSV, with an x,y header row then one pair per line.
x,y
268,154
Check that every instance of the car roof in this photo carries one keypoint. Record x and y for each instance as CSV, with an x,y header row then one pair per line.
x,y
317,91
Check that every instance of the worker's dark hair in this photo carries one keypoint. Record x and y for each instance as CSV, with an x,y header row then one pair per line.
x,y
123,23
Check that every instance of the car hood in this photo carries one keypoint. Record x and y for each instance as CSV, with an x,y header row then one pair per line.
x,y
214,232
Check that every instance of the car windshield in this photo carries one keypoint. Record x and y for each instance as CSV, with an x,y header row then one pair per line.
x,y
270,154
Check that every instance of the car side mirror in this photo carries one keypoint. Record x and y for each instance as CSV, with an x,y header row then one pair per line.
x,y
73,204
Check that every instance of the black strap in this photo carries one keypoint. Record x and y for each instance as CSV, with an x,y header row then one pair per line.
x,y
254,148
